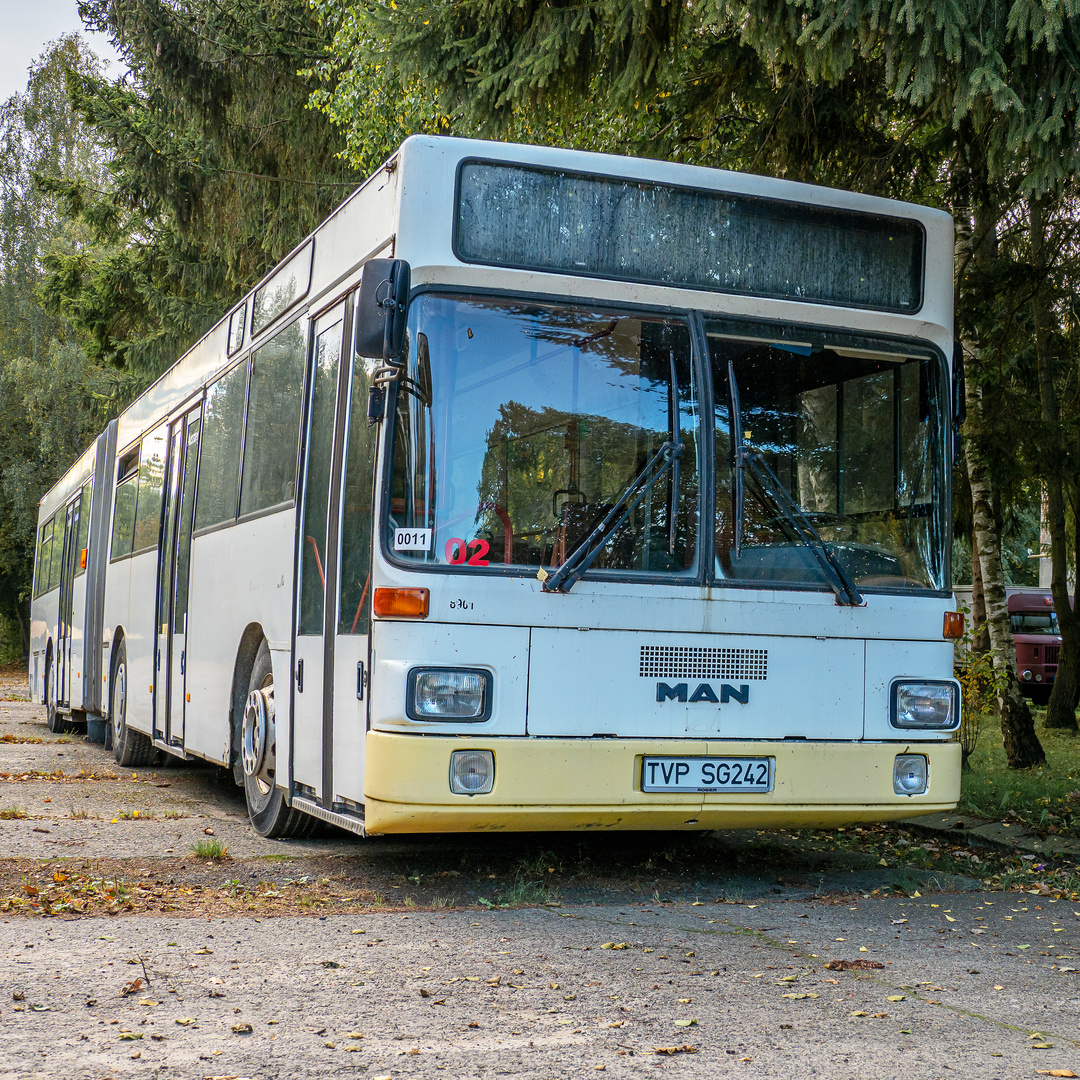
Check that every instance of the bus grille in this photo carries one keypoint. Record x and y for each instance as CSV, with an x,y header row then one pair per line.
x,y
1051,653
692,662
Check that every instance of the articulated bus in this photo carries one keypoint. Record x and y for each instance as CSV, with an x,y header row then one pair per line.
x,y
538,489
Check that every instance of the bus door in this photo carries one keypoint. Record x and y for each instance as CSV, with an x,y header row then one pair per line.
x,y
313,710
351,648
67,578
334,572
173,578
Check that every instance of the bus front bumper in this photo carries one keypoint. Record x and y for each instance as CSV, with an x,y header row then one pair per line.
x,y
582,784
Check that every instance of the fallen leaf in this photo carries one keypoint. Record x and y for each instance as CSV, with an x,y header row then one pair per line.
x,y
354,1035
1055,1072
185,1021
798,997
858,1014
128,1036
684,1049
1042,1046
853,965
131,988
896,997
204,951
686,1023
242,1029
620,945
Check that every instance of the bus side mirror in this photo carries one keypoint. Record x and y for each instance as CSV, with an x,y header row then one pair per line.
x,y
382,309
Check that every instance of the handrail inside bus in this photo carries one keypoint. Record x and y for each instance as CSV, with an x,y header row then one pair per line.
x,y
318,562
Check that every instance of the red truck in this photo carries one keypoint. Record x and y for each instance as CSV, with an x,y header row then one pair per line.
x,y
1038,642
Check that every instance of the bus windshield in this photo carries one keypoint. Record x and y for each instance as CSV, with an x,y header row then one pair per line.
x,y
520,426
847,456
1034,622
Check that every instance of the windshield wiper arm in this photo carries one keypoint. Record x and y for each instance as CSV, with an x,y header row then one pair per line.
x,y
581,558
840,581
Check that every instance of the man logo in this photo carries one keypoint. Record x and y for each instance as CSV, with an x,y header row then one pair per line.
x,y
704,692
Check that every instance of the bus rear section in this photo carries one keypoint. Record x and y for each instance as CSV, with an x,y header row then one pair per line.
x,y
1038,642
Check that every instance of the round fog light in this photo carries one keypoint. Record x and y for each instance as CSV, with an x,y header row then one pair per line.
x,y
909,774
1027,676
472,772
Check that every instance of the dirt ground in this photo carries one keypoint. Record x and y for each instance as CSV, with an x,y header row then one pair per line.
x,y
148,931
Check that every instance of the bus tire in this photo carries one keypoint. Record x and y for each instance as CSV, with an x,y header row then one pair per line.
x,y
270,815
129,747
54,719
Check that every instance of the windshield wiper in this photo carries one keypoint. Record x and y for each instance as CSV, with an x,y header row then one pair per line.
x,y
581,558
840,581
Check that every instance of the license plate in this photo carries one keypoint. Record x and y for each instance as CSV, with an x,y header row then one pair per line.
x,y
707,774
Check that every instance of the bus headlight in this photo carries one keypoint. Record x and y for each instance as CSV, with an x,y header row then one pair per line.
x,y
926,705
472,772
459,694
909,774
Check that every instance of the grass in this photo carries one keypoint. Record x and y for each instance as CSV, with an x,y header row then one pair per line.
x,y
10,813
209,849
1046,798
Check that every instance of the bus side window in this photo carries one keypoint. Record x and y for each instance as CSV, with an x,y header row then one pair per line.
x,y
151,480
56,555
273,422
83,536
41,583
123,531
219,468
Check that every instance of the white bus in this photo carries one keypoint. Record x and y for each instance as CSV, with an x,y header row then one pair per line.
x,y
538,489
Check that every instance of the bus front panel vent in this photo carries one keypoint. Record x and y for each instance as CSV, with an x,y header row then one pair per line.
x,y
700,662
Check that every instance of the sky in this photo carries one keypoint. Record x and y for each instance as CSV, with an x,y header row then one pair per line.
x,y
28,25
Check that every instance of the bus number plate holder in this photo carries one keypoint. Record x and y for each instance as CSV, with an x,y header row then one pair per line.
x,y
708,774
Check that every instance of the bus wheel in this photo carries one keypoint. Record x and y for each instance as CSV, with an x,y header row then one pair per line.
x,y
52,716
270,814
57,722
128,747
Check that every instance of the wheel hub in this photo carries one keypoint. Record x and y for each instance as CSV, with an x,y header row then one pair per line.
x,y
258,746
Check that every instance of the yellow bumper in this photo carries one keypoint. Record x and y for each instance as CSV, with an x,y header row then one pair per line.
x,y
566,784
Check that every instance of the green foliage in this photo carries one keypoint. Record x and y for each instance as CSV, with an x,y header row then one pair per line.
x,y
1045,798
51,407
41,140
52,399
219,167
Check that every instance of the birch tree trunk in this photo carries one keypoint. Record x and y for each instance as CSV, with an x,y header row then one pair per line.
x,y
1060,711
980,637
1022,746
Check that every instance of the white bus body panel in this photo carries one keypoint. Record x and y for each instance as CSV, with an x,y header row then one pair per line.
x,y
502,650
591,683
240,576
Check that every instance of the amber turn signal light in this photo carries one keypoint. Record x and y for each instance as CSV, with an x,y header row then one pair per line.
x,y
401,603
953,628
82,559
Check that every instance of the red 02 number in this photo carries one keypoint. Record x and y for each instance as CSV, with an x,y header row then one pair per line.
x,y
472,553
482,547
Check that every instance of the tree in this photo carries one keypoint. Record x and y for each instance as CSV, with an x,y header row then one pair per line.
x,y
995,85
218,168
51,399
